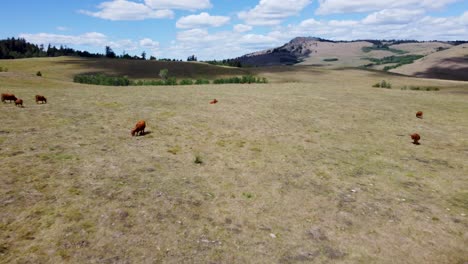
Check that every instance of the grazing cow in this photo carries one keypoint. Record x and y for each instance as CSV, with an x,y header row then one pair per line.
x,y
40,98
139,128
214,101
415,137
9,97
419,114
19,102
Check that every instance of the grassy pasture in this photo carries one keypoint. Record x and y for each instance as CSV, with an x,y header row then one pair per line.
x,y
316,166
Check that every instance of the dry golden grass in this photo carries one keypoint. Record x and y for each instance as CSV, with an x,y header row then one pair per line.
x,y
316,166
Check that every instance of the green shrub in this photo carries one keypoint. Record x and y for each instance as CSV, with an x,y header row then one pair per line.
x,y
3,69
170,81
39,73
243,79
186,82
330,59
198,159
202,81
383,84
420,88
101,79
399,60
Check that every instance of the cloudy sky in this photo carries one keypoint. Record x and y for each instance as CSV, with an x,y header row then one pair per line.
x,y
217,29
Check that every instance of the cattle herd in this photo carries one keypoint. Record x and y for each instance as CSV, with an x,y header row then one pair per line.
x,y
19,102
139,129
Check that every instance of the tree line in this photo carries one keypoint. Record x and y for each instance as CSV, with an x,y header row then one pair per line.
x,y
19,48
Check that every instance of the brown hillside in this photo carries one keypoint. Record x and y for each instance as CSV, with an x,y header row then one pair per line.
x,y
451,64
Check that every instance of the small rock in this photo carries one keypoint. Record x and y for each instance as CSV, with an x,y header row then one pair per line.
x,y
272,235
462,214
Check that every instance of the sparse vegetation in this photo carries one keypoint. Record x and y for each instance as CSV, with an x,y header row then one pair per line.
x,y
399,60
198,159
383,84
243,79
164,73
420,88
382,47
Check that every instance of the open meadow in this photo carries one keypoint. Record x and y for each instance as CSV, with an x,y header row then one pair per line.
x,y
316,166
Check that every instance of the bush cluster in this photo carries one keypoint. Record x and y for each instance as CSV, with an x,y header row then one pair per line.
x,y
420,88
243,79
3,69
383,84
101,79
383,47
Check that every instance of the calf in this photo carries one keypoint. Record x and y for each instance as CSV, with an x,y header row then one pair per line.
x,y
419,114
19,102
139,128
415,137
40,98
9,97
214,101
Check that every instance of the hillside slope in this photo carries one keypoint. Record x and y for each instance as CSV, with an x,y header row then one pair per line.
x,y
446,60
449,64
64,68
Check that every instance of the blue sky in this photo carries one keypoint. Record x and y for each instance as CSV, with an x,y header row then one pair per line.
x,y
217,29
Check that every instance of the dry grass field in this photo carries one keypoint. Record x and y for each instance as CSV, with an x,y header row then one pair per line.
x,y
314,167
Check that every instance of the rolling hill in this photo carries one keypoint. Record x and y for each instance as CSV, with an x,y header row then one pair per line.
x,y
451,64
371,54
64,68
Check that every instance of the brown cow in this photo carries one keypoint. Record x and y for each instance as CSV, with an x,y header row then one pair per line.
x,y
419,114
9,97
139,128
415,137
214,101
40,98
19,102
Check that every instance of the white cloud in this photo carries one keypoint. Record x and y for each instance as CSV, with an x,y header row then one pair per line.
x,y
228,44
179,4
393,16
127,10
87,39
464,18
150,44
201,20
61,28
272,12
242,28
347,6
418,28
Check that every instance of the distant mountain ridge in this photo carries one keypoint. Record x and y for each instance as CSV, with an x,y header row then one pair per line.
x,y
387,55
